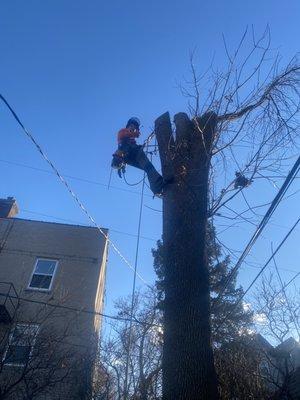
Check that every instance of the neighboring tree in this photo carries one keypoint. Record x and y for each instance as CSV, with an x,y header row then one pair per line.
x,y
249,105
248,366
144,382
238,364
251,367
103,388
277,311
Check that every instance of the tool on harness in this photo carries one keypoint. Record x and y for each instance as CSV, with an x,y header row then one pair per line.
x,y
118,162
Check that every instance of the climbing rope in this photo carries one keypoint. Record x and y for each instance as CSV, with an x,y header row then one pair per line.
x,y
133,291
131,184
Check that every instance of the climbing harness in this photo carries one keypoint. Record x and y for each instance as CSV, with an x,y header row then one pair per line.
x,y
118,162
130,153
119,157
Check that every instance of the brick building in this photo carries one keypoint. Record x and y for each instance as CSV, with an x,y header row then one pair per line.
x,y
51,288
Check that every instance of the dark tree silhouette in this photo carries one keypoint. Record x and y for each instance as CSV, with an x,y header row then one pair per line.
x,y
220,267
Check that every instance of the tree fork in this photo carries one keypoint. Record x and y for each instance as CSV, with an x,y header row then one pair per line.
x,y
188,367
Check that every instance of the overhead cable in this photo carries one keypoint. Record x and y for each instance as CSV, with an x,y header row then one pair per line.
x,y
76,178
65,183
69,308
274,204
258,274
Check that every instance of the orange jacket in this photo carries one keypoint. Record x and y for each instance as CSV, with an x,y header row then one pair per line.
x,y
128,133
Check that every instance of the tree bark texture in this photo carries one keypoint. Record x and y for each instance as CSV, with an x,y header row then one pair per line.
x,y
188,367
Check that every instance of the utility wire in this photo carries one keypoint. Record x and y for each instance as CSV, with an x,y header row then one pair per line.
x,y
258,274
279,268
272,255
78,310
80,223
132,234
76,178
65,183
274,204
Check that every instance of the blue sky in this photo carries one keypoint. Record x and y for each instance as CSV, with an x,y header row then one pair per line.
x,y
76,70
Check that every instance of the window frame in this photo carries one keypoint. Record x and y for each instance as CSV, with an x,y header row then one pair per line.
x,y
9,343
33,273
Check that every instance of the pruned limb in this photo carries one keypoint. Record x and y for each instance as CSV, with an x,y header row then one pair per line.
x,y
184,127
165,140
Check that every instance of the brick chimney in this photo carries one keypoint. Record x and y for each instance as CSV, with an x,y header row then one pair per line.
x,y
8,208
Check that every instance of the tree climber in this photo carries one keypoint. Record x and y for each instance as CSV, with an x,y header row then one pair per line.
x,y
129,152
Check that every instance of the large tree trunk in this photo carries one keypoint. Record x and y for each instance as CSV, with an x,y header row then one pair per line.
x,y
188,368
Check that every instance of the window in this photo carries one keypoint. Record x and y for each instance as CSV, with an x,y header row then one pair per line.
x,y
20,344
42,275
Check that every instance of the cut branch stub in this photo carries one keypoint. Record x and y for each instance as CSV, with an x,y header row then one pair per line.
x,y
184,128
166,144
192,148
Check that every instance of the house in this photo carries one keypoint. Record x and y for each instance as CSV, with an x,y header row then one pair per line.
x,y
280,365
52,279
287,359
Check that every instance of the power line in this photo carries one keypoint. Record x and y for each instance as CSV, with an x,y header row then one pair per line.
x,y
277,199
57,255
69,308
259,273
272,256
279,268
289,282
65,183
78,222
76,178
